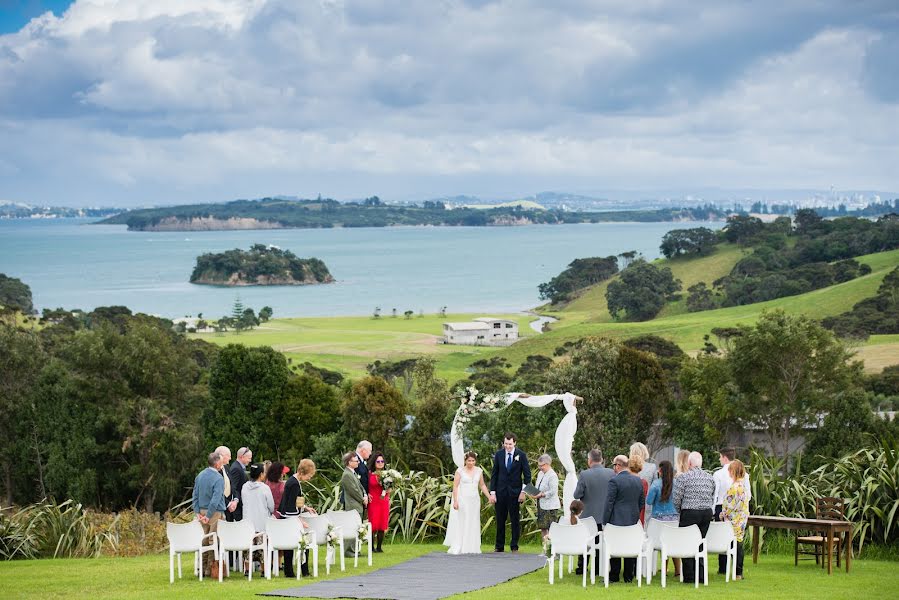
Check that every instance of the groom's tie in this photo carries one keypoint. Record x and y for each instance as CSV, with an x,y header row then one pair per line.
x,y
508,462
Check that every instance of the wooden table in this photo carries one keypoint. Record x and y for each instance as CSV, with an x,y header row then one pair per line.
x,y
827,526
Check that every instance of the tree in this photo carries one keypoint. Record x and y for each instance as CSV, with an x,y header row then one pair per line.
x,y
426,443
248,319
708,409
372,409
311,404
408,314
624,391
21,358
15,295
237,312
376,314
742,228
243,385
581,273
641,291
697,240
265,314
788,368
700,298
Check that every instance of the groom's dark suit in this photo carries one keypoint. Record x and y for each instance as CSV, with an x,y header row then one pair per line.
x,y
507,479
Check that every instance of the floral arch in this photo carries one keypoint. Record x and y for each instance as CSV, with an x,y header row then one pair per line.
x,y
472,405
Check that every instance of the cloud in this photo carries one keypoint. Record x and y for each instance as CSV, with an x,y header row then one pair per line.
x,y
125,99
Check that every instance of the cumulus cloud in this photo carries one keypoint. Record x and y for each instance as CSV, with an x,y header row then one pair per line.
x,y
124,100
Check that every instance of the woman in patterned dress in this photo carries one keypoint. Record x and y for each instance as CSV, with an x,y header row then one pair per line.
x,y
735,509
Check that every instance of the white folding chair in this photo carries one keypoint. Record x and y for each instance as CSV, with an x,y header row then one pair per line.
x,y
188,537
239,536
684,542
318,525
285,534
349,522
720,540
623,542
654,545
592,544
567,540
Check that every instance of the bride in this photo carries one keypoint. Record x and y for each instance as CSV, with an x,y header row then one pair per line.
x,y
463,531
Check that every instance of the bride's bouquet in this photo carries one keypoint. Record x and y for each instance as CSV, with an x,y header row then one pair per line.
x,y
387,479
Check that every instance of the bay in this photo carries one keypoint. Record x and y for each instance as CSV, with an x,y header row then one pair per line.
x,y
71,263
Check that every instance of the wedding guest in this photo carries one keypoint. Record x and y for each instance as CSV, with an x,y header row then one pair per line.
x,y
208,503
723,483
363,452
735,508
681,463
351,489
649,471
292,504
238,473
379,504
273,479
230,499
593,489
258,504
624,503
548,503
634,466
694,492
576,508
659,498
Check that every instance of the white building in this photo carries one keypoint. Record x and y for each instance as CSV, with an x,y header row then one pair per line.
x,y
485,331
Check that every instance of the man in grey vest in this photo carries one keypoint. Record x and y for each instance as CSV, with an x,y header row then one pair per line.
x,y
592,489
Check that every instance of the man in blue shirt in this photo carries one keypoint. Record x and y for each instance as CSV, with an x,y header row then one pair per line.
x,y
209,504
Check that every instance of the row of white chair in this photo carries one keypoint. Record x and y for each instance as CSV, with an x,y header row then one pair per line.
x,y
669,541
279,535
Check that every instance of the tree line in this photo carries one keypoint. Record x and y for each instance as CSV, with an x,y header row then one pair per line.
x,y
374,213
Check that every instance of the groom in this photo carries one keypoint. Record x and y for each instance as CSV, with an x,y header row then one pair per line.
x,y
510,473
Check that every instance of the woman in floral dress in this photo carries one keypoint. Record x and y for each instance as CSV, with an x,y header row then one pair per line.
x,y
379,505
735,509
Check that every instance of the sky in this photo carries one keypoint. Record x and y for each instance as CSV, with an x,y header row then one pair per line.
x,y
147,102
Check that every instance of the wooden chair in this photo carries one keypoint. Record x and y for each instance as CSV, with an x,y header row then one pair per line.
x,y
828,508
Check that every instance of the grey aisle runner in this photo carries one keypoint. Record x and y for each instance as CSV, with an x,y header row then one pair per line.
x,y
428,577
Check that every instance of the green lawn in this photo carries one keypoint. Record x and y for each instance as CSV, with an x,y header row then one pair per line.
x,y
147,577
348,344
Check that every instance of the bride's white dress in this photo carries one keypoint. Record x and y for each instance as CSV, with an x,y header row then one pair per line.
x,y
463,530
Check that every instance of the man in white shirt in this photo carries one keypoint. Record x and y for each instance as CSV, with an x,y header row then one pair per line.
x,y
722,484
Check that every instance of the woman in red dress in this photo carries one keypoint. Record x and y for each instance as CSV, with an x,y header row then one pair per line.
x,y
379,504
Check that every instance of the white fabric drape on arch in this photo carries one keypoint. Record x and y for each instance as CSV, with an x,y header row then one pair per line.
x,y
564,437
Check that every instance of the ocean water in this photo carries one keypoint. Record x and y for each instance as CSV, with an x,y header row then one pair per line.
x,y
72,263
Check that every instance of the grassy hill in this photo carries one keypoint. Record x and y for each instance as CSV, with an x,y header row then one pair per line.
x,y
687,329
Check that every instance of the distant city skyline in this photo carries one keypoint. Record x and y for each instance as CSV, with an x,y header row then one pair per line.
x,y
148,102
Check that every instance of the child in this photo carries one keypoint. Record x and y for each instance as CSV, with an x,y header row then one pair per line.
x,y
576,508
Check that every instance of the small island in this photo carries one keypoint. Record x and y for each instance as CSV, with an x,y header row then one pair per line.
x,y
260,265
